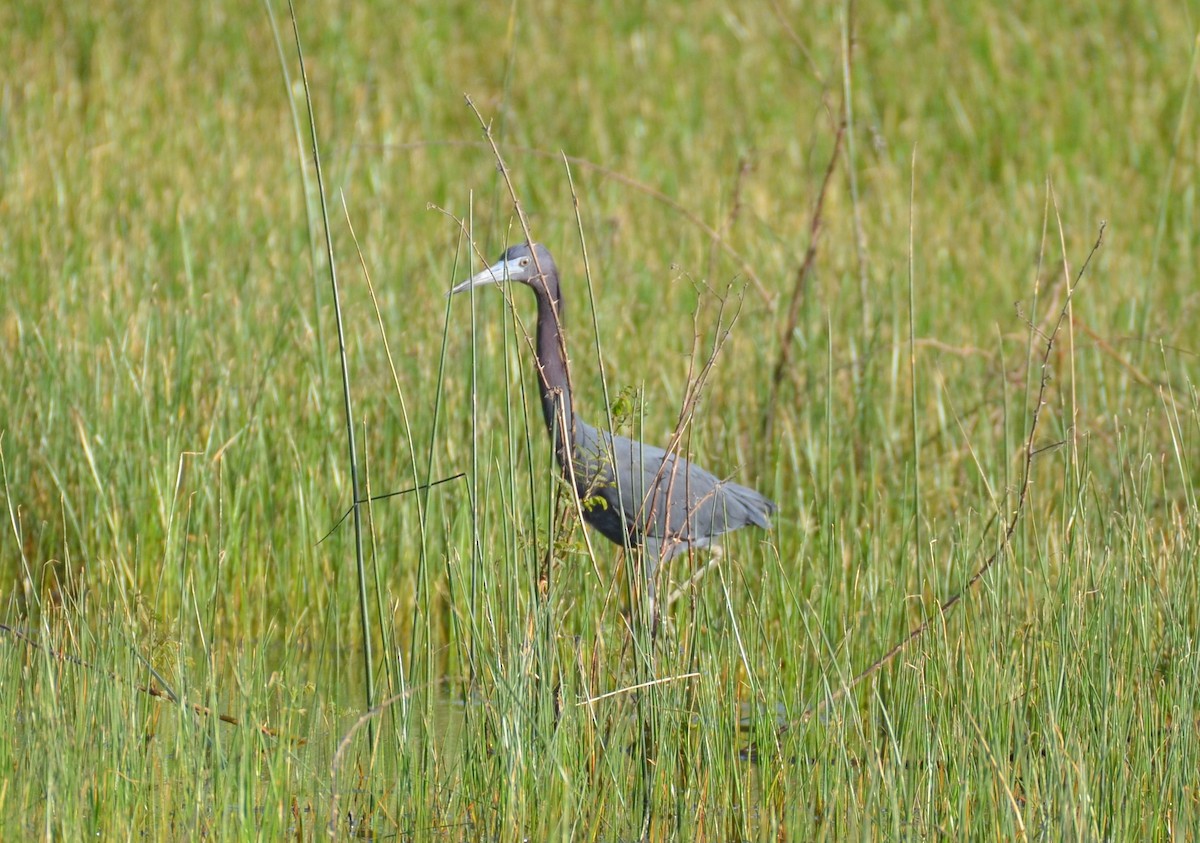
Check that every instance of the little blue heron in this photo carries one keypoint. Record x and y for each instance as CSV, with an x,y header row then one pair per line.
x,y
633,494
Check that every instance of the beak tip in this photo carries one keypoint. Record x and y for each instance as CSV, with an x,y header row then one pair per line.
x,y
491,275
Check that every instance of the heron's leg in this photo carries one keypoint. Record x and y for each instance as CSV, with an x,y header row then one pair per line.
x,y
643,608
651,557
714,560
652,599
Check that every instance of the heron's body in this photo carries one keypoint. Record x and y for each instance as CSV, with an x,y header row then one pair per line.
x,y
633,494
657,500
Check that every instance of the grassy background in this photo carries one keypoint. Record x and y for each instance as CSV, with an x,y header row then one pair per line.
x,y
173,445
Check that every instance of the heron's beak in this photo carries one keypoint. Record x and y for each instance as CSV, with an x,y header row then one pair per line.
x,y
494,274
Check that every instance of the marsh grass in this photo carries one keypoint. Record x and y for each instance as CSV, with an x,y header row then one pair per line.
x,y
172,436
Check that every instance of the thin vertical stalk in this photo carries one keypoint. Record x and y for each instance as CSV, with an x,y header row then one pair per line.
x,y
1073,426
368,666
860,240
389,647
1160,226
298,133
912,360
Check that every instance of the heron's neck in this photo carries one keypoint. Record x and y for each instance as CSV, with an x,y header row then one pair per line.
x,y
552,374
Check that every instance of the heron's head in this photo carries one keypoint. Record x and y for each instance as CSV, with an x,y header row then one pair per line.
x,y
532,267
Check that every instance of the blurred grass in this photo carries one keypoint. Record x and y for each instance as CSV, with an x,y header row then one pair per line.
x,y
170,420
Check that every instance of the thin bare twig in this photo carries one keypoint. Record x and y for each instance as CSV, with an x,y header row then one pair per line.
x,y
384,496
693,390
1107,349
799,286
790,32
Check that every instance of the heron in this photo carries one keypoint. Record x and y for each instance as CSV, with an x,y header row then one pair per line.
x,y
633,494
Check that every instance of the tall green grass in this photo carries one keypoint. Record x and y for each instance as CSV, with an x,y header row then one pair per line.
x,y
174,446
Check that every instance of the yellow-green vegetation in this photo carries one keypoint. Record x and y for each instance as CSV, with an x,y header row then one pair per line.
x,y
174,444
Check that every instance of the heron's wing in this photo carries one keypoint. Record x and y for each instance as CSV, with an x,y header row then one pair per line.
x,y
627,478
668,503
671,499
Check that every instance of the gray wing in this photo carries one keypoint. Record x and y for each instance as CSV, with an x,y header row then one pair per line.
x,y
667,503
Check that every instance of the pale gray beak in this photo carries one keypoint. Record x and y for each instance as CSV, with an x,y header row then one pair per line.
x,y
497,273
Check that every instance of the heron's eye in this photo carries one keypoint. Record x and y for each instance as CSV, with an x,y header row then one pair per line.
x,y
524,261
